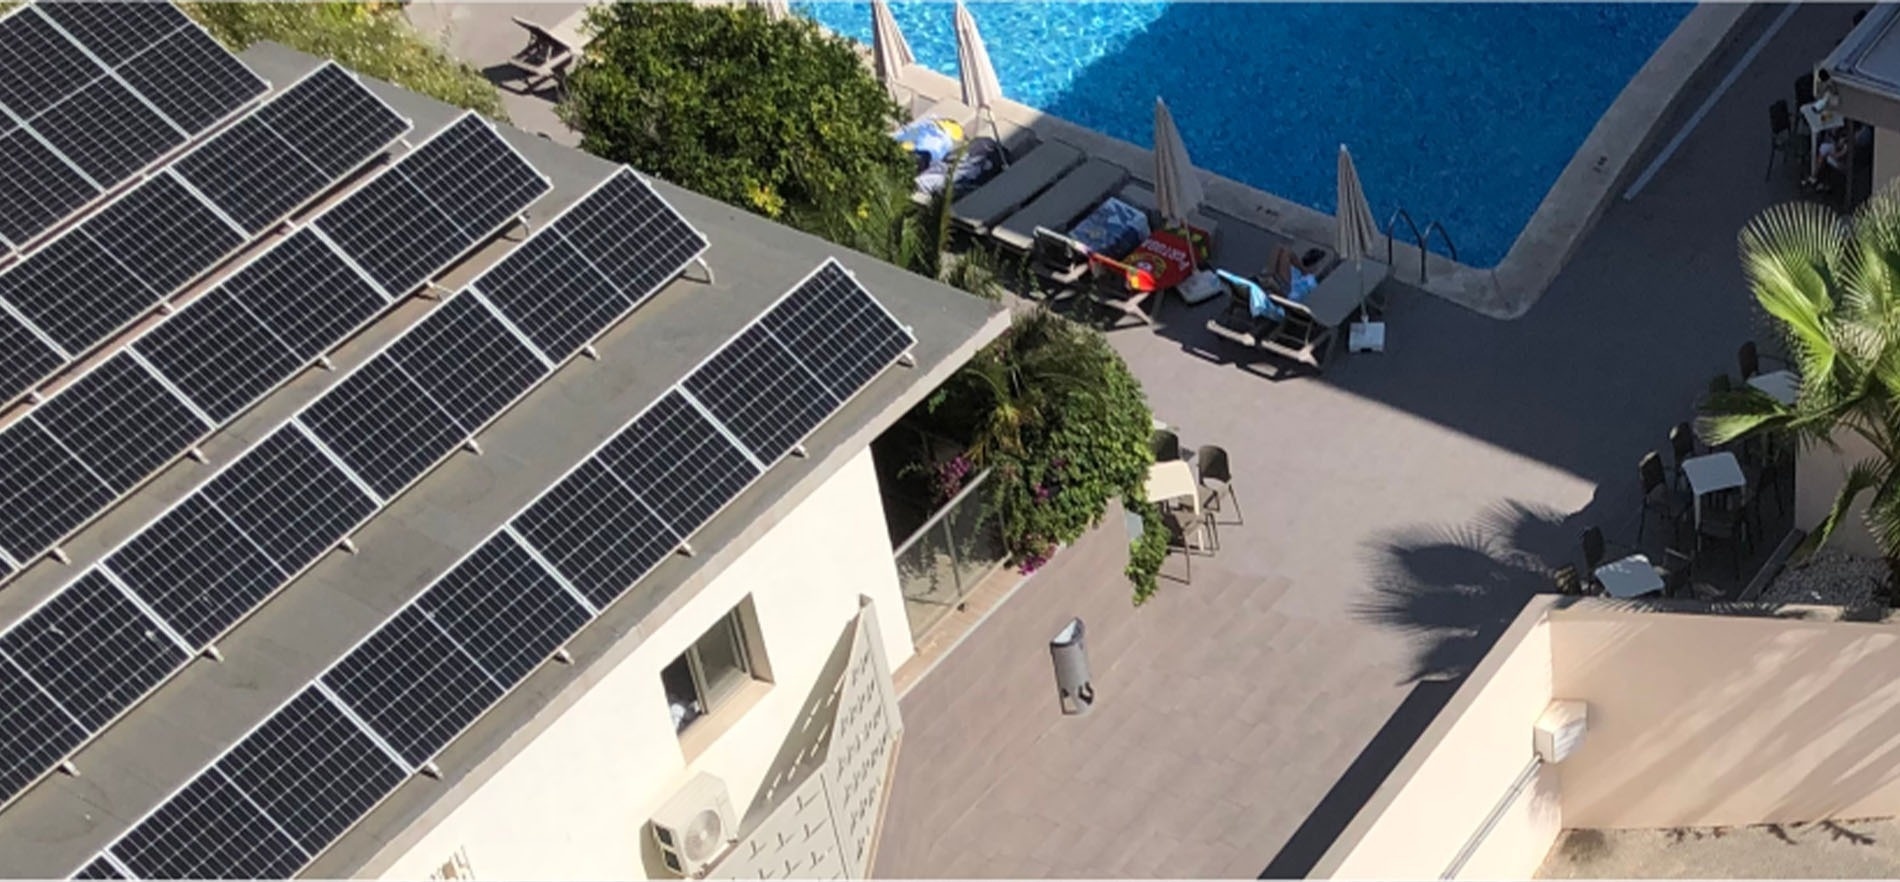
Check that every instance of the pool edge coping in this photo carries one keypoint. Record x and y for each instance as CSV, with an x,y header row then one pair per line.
x,y
1567,213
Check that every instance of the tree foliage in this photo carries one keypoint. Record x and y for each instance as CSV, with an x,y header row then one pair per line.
x,y
373,39
1832,288
773,115
898,231
1053,412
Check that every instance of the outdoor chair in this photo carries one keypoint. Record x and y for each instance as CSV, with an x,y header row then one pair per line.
x,y
1595,549
1783,142
1183,526
1110,294
1059,262
1682,446
1804,94
1724,521
1214,468
1166,445
1658,496
1750,359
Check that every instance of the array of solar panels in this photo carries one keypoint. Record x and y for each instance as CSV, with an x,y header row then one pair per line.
x,y
263,323
186,577
92,93
88,283
283,793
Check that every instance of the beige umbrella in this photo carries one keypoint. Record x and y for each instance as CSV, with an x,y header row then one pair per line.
x,y
776,10
1177,187
981,89
889,49
1357,232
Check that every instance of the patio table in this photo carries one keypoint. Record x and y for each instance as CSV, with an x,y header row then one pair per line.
x,y
1782,386
1712,474
1632,576
1174,480
1821,117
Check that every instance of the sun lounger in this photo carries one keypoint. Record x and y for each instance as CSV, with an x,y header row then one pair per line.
x,y
1061,205
1310,329
1022,181
949,110
1142,196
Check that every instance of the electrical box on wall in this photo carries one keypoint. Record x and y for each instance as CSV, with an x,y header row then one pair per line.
x,y
1559,731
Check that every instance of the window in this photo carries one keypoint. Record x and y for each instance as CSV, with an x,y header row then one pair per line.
x,y
709,671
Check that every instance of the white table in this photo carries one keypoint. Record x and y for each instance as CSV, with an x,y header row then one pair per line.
x,y
1174,480
1632,576
1821,117
1782,386
1712,474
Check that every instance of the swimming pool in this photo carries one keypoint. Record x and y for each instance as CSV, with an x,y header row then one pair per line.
x,y
1465,113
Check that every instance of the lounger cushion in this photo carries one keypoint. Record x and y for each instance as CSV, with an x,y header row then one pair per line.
x,y
1026,177
1059,206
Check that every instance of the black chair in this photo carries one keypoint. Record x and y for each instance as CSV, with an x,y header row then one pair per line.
x,y
1804,89
1676,573
1212,461
1166,444
1594,551
1682,446
1059,262
1782,141
1658,496
1725,520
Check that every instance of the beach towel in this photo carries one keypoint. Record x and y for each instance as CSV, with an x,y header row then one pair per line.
x,y
1257,302
934,138
1114,228
981,161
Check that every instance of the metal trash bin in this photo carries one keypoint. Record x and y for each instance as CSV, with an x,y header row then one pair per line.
x,y
1071,659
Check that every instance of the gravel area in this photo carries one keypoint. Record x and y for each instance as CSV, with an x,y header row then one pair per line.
x,y
1865,849
1829,578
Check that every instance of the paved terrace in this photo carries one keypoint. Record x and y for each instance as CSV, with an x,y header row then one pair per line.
x,y
1398,511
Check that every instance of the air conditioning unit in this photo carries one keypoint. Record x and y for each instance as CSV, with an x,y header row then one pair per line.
x,y
696,826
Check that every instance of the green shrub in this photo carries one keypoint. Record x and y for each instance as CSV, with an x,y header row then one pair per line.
x,y
1052,410
774,116
373,39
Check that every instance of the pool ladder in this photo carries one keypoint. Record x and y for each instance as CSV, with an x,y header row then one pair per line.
x,y
1418,238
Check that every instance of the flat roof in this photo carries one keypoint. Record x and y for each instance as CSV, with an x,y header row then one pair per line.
x,y
1865,68
61,823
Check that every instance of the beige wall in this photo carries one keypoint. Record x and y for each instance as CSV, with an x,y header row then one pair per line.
x,y
1722,720
574,802
1819,474
1458,772
1886,156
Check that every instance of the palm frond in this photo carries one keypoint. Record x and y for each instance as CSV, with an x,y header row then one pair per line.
x,y
1865,475
1787,254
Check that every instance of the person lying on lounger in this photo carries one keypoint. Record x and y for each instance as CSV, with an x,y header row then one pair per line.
x,y
1299,278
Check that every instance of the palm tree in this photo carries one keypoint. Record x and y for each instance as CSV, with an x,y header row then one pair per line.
x,y
892,228
1832,287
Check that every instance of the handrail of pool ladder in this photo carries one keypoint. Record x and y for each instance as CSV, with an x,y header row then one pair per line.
x,y
1392,226
1451,248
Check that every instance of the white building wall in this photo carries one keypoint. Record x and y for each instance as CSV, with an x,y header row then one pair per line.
x,y
1886,157
574,803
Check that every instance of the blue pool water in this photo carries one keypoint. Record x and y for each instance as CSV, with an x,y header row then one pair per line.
x,y
1461,112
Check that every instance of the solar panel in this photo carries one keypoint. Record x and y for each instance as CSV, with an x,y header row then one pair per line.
x,y
196,570
383,426
550,291
163,234
838,329
289,499
107,131
192,79
632,236
114,32
679,463
44,491
209,830
74,291
24,357
260,325
403,227
504,608
261,169
413,684
38,66
93,650
100,868
310,769
333,121
35,733
474,177
593,530
465,359
119,421
765,395
36,187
